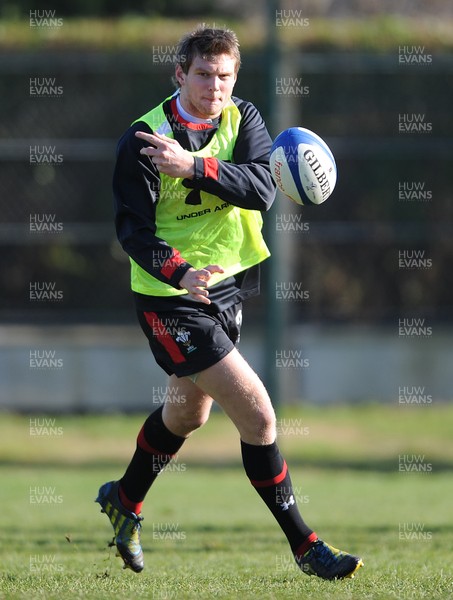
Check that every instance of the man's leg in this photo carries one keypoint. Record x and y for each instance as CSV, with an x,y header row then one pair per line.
x,y
162,435
242,395
186,409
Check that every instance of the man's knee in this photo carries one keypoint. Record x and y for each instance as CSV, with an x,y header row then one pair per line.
x,y
262,427
188,415
263,423
193,420
257,425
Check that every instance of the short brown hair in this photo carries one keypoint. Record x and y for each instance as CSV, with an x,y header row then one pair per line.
x,y
207,42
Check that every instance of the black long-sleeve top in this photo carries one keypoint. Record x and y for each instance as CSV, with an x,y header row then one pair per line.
x,y
246,182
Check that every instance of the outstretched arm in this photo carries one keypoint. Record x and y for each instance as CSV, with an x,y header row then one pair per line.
x,y
246,182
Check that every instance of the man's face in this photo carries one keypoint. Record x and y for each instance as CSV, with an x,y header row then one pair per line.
x,y
207,87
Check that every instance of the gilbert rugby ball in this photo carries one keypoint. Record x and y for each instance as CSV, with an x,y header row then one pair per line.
x,y
303,166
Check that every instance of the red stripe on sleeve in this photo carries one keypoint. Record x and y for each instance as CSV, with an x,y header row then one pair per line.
x,y
211,168
171,264
164,337
268,482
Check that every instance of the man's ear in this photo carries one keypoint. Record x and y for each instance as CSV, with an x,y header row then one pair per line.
x,y
179,74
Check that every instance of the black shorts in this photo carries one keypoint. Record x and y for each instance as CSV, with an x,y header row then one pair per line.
x,y
188,340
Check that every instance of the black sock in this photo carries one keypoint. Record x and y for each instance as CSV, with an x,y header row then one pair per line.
x,y
268,473
156,446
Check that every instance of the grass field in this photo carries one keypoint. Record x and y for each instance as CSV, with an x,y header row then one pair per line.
x,y
206,533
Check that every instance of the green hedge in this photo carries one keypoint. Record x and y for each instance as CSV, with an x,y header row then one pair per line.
x,y
374,34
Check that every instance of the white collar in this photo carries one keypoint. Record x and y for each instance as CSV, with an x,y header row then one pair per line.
x,y
188,117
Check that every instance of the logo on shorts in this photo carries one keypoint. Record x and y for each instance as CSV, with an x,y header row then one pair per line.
x,y
183,338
